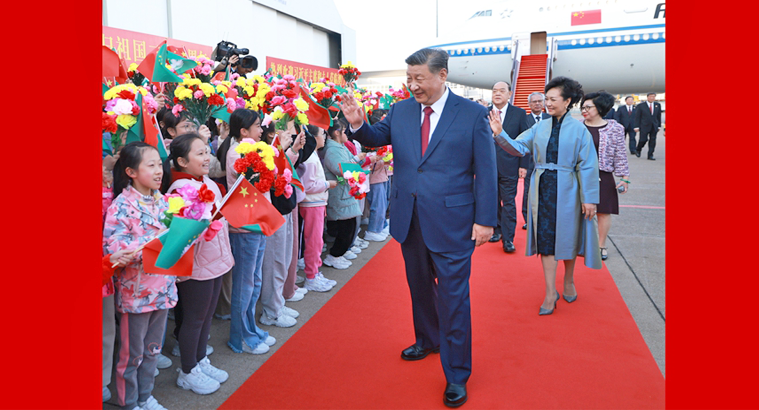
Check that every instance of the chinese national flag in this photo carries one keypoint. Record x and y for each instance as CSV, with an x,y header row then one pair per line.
x,y
113,66
586,17
317,115
247,208
283,162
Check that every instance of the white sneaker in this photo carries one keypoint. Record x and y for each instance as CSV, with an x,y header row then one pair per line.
x,y
386,231
196,381
337,263
217,374
106,394
175,351
260,349
156,372
270,341
299,279
151,404
301,264
361,243
163,362
318,285
296,297
355,249
374,236
290,312
321,277
302,290
349,255
281,321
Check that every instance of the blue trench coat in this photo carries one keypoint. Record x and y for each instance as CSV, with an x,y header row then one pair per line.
x,y
578,183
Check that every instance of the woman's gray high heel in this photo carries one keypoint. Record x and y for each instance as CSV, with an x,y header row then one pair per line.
x,y
549,311
570,299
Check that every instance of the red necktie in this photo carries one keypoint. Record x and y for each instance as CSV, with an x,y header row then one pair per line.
x,y
426,128
652,109
629,110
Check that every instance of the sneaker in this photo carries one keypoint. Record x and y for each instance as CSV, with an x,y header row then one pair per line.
x,y
302,290
355,249
337,263
270,341
374,236
361,243
106,394
301,264
223,317
330,281
296,297
156,373
261,348
290,312
349,255
386,230
175,351
299,279
163,362
196,381
281,321
217,374
150,404
318,285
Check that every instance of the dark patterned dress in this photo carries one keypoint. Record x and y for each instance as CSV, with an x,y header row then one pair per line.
x,y
547,192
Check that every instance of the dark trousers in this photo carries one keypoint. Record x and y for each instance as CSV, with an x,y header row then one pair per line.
x,y
507,207
631,135
199,302
440,309
648,135
344,231
526,193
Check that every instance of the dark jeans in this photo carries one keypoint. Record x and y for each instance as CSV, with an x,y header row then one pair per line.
x,y
344,231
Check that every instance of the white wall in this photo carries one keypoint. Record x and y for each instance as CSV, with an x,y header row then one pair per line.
x,y
249,24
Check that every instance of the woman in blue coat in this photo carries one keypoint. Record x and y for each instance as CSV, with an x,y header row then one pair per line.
x,y
564,189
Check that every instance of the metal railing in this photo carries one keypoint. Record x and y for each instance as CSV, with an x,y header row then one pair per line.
x,y
514,70
552,48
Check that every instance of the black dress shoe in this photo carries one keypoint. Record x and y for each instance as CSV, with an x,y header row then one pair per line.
x,y
632,153
524,226
651,158
455,395
508,246
495,238
637,154
416,352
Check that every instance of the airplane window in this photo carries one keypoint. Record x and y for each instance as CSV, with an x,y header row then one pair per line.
x,y
488,13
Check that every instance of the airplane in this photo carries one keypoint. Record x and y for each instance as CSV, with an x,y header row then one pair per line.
x,y
612,45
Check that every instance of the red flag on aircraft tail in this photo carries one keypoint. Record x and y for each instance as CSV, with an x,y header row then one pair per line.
x,y
586,17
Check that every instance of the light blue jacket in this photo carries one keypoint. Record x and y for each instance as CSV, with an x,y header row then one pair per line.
x,y
340,204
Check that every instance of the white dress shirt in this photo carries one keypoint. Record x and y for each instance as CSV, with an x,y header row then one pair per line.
x,y
437,111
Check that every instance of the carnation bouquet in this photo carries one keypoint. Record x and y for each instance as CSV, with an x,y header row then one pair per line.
x,y
124,104
200,100
325,93
256,162
349,72
285,104
252,92
189,202
204,70
356,178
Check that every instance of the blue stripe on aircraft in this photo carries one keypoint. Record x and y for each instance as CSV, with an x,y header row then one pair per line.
x,y
561,45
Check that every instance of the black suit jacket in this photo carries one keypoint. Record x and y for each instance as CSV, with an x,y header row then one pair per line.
x,y
514,123
626,119
610,115
526,161
645,120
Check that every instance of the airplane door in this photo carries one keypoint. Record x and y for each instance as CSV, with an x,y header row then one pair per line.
x,y
538,43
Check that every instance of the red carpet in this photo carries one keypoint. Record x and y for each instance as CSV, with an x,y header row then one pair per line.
x,y
587,355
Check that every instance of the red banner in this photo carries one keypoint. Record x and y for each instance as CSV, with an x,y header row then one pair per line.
x,y
133,46
586,17
309,73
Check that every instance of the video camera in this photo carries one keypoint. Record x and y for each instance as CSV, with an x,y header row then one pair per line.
x,y
226,49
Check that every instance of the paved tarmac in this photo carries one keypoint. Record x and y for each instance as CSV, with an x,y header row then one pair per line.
x,y
636,249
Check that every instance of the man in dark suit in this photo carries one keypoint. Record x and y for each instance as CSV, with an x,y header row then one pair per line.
x,y
626,116
648,122
514,120
444,204
609,115
526,164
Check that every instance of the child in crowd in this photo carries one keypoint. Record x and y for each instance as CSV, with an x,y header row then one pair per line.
x,y
278,253
377,195
143,299
247,247
312,210
199,293
342,207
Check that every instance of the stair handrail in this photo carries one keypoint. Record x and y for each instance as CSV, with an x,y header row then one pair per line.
x,y
551,52
515,70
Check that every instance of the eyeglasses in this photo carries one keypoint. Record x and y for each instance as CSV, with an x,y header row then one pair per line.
x,y
587,107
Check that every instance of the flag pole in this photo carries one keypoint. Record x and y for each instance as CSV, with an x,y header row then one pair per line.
x,y
139,248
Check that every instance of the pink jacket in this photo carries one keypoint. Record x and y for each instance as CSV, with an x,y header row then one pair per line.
x,y
130,221
107,200
212,258
315,183
612,153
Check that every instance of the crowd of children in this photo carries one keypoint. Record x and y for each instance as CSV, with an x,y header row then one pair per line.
x,y
233,269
